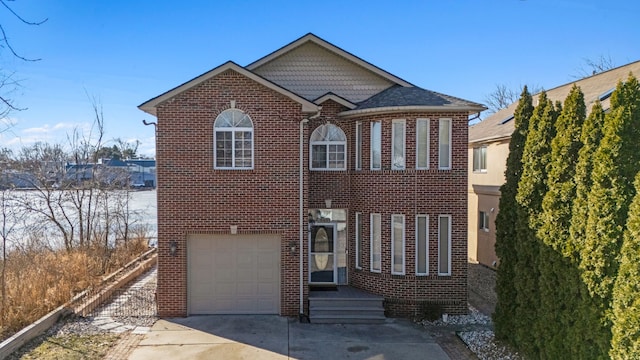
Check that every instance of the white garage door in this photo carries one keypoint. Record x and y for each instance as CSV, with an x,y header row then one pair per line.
x,y
233,274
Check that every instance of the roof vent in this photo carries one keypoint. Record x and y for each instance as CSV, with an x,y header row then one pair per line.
x,y
607,94
506,120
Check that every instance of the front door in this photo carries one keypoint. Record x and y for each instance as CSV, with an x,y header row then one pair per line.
x,y
322,264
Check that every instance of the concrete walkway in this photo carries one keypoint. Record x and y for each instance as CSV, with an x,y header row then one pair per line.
x,y
273,337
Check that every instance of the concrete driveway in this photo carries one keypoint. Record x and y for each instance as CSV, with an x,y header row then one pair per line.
x,y
272,337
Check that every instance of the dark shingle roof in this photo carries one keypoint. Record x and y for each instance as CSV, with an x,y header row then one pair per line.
x,y
411,96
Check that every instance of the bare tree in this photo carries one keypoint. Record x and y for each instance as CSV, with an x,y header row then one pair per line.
x,y
8,82
503,96
594,66
11,217
500,98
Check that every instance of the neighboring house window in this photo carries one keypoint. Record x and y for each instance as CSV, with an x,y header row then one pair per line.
x,y
376,243
422,144
483,220
376,145
444,148
397,244
358,162
422,245
328,148
480,159
444,245
233,140
359,240
398,131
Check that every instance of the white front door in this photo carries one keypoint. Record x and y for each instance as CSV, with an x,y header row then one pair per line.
x,y
322,257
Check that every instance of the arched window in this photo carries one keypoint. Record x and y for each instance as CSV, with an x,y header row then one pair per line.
x,y
328,148
233,140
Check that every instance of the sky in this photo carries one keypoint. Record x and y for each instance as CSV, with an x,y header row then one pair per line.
x,y
118,54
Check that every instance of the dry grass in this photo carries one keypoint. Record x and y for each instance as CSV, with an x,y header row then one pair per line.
x,y
38,281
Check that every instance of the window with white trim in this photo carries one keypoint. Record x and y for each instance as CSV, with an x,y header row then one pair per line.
x,y
358,152
483,220
376,145
397,244
376,243
398,140
480,159
328,148
444,144
233,140
422,143
422,245
359,240
444,245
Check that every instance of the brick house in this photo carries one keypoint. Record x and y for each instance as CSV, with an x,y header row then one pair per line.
x,y
309,168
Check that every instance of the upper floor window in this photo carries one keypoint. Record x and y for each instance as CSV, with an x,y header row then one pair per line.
x,y
233,140
398,131
422,143
480,159
328,148
444,148
376,145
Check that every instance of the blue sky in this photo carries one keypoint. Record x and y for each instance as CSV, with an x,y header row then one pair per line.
x,y
122,53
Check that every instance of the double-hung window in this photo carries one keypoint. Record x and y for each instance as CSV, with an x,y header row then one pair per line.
x,y
328,148
376,243
444,144
358,240
376,145
398,139
233,140
444,245
358,152
397,244
422,245
480,159
422,143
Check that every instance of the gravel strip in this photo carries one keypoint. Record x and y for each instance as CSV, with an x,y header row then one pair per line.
x,y
484,345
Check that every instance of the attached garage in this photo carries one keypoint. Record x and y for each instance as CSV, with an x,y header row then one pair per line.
x,y
233,274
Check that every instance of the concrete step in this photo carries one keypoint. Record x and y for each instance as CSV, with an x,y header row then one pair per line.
x,y
345,302
340,311
346,310
346,319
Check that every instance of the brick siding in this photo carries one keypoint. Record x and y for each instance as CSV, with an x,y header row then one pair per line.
x,y
193,197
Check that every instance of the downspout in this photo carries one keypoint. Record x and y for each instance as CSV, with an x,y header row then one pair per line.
x,y
302,315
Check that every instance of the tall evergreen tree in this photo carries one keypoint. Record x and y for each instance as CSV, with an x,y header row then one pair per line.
x,y
590,138
615,164
531,190
626,292
556,205
505,311
587,329
559,286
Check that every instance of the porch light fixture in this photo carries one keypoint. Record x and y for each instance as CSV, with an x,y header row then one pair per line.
x,y
327,203
173,248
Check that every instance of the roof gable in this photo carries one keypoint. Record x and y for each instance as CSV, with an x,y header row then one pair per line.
x,y
151,105
500,124
312,67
